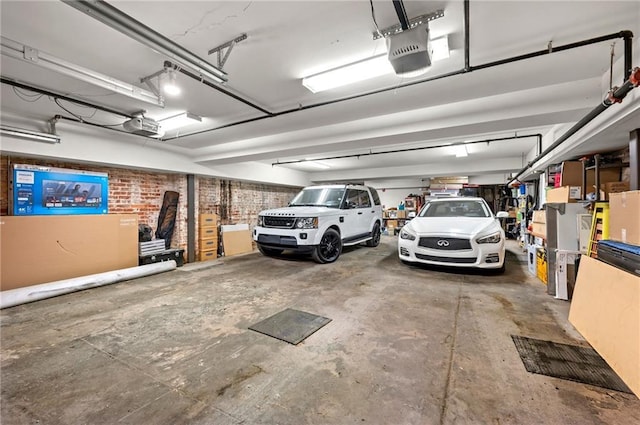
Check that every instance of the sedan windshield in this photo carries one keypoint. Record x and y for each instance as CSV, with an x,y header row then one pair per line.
x,y
321,197
456,208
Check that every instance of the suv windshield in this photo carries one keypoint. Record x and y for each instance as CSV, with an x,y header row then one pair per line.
x,y
455,208
319,196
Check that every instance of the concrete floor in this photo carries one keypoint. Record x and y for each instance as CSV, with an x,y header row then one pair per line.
x,y
406,345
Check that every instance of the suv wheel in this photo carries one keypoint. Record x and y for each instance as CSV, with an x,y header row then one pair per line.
x,y
270,251
375,236
329,248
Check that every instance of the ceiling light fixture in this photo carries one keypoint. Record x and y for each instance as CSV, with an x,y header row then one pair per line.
x,y
170,87
181,120
348,74
317,164
365,69
45,60
120,21
30,135
461,151
440,48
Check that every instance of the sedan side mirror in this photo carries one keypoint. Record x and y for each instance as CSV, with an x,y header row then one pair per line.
x,y
502,214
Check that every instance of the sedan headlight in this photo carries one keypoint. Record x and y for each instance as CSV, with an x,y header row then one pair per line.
x,y
307,223
405,234
492,238
260,221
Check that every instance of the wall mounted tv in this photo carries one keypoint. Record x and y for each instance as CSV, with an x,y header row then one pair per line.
x,y
54,191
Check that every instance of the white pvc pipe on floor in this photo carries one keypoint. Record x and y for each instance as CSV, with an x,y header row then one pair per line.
x,y
18,296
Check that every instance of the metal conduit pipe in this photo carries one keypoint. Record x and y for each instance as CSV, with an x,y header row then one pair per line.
x,y
496,139
63,97
170,65
615,96
626,35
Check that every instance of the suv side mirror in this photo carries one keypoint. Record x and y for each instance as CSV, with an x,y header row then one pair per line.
x,y
502,214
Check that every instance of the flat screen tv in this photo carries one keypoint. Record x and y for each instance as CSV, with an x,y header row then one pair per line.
x,y
41,190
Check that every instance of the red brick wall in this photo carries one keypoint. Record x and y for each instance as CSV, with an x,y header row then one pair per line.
x,y
141,192
239,202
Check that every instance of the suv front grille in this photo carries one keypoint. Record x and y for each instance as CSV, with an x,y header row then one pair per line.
x,y
279,222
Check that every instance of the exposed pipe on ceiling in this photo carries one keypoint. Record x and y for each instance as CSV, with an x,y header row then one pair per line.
x,y
625,34
370,153
63,97
170,65
614,96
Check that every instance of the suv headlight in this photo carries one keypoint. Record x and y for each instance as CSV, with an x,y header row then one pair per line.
x,y
260,221
307,223
405,234
492,238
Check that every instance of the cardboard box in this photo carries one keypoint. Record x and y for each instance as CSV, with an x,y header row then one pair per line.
x,y
539,230
236,239
392,223
402,214
207,220
605,311
571,175
211,254
612,187
539,216
42,249
208,244
208,232
624,217
564,194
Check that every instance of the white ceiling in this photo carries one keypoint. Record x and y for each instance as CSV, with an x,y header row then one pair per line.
x,y
288,40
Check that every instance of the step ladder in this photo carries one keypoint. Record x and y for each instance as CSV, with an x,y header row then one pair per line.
x,y
599,227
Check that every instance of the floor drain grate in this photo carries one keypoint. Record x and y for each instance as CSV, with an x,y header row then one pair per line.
x,y
570,362
292,326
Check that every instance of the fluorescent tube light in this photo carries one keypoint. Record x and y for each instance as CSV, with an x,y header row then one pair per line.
x,y
348,74
120,21
367,68
30,135
170,87
316,164
178,121
45,60
440,48
461,151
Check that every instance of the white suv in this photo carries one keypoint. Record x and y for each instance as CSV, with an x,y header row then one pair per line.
x,y
320,220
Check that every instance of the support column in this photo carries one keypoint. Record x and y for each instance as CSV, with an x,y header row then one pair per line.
x,y
634,159
191,218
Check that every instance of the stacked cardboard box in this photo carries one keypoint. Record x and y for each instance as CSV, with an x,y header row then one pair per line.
x,y
208,237
539,224
624,217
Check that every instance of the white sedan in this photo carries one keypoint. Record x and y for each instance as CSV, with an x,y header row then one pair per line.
x,y
458,232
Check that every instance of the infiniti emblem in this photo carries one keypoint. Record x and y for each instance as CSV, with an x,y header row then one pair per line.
x,y
443,242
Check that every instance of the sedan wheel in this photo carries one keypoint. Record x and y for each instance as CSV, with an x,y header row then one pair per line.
x,y
329,248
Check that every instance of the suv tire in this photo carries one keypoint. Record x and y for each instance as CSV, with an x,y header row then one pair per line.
x,y
270,251
375,236
329,248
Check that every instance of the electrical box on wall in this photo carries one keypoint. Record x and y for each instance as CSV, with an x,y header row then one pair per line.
x,y
37,190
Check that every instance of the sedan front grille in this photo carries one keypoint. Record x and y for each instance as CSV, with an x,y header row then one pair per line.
x,y
453,260
279,222
444,243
